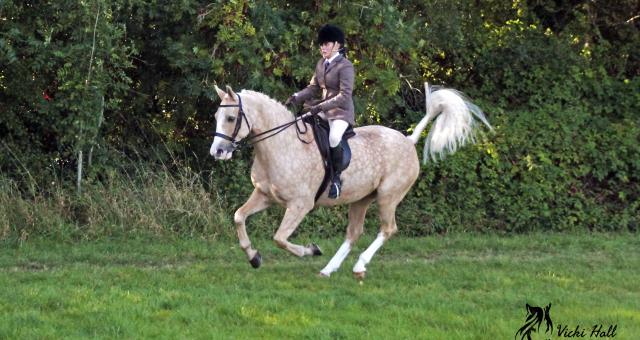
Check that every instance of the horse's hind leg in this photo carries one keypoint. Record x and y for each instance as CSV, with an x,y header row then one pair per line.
x,y
292,217
256,202
357,212
387,229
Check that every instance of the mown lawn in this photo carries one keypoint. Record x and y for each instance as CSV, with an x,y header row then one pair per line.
x,y
453,287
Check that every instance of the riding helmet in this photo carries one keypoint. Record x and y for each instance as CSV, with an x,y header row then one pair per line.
x,y
330,33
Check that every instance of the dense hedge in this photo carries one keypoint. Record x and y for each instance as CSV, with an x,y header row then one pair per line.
x,y
132,80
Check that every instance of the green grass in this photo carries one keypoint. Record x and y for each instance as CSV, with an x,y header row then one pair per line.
x,y
455,287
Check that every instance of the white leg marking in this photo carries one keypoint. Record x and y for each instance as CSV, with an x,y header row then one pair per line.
x,y
337,259
365,257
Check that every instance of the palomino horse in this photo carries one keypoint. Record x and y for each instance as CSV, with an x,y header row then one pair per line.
x,y
288,172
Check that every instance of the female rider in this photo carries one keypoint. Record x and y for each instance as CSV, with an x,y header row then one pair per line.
x,y
334,75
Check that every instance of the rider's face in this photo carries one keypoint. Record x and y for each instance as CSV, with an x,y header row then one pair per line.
x,y
327,49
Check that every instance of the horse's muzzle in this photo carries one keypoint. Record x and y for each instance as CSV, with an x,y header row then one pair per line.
x,y
222,155
221,151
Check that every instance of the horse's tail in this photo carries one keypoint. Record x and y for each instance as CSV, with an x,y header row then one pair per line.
x,y
455,121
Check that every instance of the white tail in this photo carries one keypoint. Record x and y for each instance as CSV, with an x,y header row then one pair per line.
x,y
454,125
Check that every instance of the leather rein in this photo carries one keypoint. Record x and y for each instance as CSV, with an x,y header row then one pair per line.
x,y
253,139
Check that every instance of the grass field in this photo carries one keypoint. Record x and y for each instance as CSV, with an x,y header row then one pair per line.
x,y
453,287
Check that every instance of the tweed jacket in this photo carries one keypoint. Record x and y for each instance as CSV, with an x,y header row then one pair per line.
x,y
336,84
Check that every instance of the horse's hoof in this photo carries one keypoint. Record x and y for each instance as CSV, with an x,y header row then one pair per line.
x,y
315,250
256,261
323,275
359,275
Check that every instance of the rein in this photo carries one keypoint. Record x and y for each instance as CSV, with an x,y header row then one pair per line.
x,y
251,140
239,120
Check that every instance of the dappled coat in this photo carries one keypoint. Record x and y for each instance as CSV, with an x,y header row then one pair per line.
x,y
336,83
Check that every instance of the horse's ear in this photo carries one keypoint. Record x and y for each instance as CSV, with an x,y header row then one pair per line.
x,y
221,93
230,92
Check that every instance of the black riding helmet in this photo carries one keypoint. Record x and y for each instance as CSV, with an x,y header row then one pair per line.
x,y
330,33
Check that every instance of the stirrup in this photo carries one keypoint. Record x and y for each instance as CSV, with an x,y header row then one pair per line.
x,y
334,191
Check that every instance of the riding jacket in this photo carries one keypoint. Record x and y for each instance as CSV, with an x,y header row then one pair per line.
x,y
336,83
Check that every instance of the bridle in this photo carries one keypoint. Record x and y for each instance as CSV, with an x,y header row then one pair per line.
x,y
250,140
236,129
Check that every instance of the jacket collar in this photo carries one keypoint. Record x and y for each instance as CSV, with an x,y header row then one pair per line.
x,y
335,60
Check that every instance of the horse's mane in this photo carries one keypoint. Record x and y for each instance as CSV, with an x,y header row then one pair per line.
x,y
267,100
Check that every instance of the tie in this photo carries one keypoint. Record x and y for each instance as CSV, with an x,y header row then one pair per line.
x,y
326,66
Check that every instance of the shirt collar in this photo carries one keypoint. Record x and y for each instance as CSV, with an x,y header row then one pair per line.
x,y
330,60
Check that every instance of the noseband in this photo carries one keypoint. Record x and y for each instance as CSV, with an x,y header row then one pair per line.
x,y
236,129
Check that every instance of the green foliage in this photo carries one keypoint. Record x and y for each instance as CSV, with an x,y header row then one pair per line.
x,y
559,81
133,201
63,65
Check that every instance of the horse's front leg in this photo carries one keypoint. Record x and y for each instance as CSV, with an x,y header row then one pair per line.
x,y
256,202
294,214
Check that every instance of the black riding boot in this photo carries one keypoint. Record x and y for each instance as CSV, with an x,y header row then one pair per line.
x,y
337,155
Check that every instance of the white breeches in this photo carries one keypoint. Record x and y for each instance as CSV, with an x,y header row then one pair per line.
x,y
337,129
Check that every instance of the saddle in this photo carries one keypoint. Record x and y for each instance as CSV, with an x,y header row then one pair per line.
x,y
321,129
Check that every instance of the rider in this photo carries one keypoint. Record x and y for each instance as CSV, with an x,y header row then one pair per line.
x,y
334,74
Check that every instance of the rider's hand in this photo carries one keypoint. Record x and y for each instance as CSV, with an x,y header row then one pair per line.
x,y
290,100
315,109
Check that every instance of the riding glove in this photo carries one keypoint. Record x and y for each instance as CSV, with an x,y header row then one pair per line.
x,y
315,109
291,100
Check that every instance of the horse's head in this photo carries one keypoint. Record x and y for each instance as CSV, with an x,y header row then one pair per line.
x,y
231,124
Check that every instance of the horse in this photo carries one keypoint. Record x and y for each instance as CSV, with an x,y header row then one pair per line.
x,y
288,169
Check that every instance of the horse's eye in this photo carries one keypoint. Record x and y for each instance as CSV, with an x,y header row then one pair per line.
x,y
231,119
